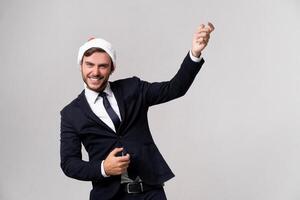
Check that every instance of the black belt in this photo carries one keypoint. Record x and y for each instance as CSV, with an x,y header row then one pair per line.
x,y
138,187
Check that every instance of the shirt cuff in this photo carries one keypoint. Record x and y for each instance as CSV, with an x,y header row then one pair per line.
x,y
195,59
102,170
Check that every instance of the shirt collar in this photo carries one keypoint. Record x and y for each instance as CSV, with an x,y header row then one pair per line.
x,y
92,96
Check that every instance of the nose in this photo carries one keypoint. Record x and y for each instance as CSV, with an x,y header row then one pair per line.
x,y
95,71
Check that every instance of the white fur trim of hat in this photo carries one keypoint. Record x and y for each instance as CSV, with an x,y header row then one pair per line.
x,y
100,43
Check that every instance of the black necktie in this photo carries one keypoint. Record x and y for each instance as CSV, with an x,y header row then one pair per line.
x,y
112,114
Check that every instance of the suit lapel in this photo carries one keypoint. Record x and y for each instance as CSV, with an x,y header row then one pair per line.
x,y
82,101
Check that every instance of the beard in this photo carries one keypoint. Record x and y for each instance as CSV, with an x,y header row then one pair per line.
x,y
95,83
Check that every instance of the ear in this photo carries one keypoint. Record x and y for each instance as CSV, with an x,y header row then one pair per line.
x,y
81,67
112,69
81,62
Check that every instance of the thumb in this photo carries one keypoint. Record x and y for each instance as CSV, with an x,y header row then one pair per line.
x,y
211,27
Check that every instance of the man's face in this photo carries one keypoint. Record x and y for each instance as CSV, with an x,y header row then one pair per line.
x,y
96,70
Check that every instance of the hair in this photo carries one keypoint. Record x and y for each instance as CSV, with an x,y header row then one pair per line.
x,y
93,50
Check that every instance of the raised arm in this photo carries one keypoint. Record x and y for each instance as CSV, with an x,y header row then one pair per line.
x,y
160,92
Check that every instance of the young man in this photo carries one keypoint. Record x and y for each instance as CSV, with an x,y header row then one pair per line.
x,y
110,120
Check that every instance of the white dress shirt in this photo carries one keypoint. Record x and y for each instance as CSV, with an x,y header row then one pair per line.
x,y
96,104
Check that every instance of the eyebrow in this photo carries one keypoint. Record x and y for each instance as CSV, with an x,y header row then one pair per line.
x,y
90,63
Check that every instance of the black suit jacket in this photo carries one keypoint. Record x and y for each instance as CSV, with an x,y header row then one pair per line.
x,y
134,96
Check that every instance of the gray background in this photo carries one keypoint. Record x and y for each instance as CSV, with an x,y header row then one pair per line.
x,y
235,135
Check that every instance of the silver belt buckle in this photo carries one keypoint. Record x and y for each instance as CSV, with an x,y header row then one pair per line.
x,y
131,192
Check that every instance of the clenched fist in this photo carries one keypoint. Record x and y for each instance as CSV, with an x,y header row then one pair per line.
x,y
116,165
201,38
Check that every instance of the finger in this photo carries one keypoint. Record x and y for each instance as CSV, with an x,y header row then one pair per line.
x,y
124,165
200,27
124,158
116,151
122,168
211,26
206,38
201,40
205,29
202,34
203,43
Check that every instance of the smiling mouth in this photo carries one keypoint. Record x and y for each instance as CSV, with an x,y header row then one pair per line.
x,y
96,78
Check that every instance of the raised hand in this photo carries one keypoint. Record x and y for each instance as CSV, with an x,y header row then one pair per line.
x,y
201,38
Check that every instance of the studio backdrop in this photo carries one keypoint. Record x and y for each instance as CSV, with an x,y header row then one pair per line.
x,y
234,135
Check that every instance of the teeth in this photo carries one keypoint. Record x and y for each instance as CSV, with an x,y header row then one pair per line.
x,y
94,78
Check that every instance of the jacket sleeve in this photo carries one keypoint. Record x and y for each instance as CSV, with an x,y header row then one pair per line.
x,y
71,158
160,92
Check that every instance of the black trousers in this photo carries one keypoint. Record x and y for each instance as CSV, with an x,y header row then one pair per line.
x,y
155,194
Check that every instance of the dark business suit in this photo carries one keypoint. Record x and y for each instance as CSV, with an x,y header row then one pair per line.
x,y
134,96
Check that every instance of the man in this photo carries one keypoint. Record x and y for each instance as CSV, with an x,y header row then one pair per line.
x,y
110,120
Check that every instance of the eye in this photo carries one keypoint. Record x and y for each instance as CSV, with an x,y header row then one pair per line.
x,y
89,64
103,66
